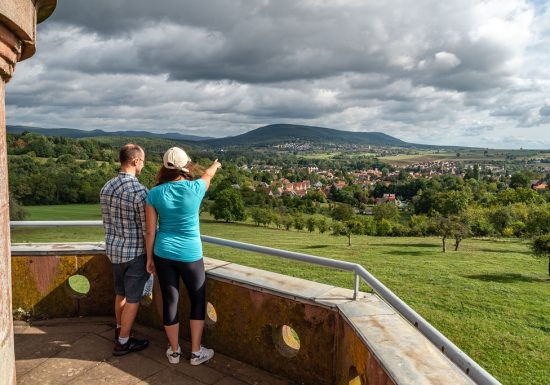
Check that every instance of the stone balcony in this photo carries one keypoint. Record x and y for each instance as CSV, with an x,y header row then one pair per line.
x,y
334,339
78,351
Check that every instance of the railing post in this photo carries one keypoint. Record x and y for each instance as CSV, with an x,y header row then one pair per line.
x,y
356,286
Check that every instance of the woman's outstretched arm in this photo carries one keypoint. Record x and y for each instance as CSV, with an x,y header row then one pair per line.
x,y
210,172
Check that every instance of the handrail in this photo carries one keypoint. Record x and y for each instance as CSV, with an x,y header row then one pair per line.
x,y
479,375
55,223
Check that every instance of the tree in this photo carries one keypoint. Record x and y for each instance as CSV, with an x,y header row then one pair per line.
x,y
541,247
383,228
286,221
478,218
476,172
261,216
276,220
347,228
322,225
299,222
228,206
452,227
368,224
452,202
501,218
460,230
205,206
387,211
343,212
519,179
419,225
17,212
538,220
424,201
310,224
444,227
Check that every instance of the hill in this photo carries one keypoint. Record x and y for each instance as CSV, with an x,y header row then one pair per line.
x,y
284,133
273,134
76,133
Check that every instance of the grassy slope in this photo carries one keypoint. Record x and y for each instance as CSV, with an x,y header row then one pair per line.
x,y
490,298
64,212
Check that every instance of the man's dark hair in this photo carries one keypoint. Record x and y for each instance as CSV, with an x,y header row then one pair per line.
x,y
129,152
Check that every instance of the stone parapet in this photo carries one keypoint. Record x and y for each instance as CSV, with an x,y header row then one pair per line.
x,y
335,340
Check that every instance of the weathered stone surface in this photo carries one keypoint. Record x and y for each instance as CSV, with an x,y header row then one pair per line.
x,y
268,281
337,296
230,381
41,285
211,263
21,16
170,377
17,42
248,319
10,54
68,248
78,351
128,369
402,354
201,373
340,339
7,362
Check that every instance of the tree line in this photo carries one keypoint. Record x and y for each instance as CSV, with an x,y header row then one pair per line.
x,y
56,170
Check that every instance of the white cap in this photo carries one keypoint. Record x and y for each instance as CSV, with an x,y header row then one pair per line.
x,y
176,158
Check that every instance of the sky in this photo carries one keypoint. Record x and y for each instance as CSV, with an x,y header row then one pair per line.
x,y
454,72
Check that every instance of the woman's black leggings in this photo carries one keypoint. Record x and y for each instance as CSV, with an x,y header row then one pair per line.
x,y
192,274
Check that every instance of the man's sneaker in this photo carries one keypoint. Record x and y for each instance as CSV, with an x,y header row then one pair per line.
x,y
173,356
203,355
133,345
117,334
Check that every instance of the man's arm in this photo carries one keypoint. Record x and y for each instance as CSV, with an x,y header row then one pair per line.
x,y
139,207
105,213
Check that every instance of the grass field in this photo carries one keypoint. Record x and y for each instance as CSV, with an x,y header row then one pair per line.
x,y
491,298
63,212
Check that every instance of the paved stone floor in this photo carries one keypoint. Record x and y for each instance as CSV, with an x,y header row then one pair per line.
x,y
78,351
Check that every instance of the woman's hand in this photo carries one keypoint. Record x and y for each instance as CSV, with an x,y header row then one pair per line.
x,y
216,165
151,267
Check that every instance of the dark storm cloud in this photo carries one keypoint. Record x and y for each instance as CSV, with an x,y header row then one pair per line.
x,y
274,41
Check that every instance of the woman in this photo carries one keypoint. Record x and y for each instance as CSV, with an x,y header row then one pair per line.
x,y
175,249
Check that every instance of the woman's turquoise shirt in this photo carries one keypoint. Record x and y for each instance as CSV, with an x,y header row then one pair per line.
x,y
177,205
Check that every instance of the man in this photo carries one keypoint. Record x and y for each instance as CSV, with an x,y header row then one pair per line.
x,y
123,211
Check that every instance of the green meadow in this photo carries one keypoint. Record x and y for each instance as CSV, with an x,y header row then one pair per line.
x,y
63,212
491,298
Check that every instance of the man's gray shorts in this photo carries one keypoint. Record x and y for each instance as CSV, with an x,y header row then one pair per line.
x,y
130,278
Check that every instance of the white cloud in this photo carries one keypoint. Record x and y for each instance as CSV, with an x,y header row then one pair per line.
x,y
446,60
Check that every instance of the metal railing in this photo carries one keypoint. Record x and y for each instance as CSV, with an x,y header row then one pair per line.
x,y
479,375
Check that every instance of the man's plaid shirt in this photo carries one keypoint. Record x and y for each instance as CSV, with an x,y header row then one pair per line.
x,y
123,211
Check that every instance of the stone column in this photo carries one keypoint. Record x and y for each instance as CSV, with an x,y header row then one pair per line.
x,y
18,20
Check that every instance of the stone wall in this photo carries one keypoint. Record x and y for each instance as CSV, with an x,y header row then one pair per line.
x,y
333,340
18,20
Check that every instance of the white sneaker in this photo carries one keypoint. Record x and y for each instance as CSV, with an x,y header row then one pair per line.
x,y
173,357
202,356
